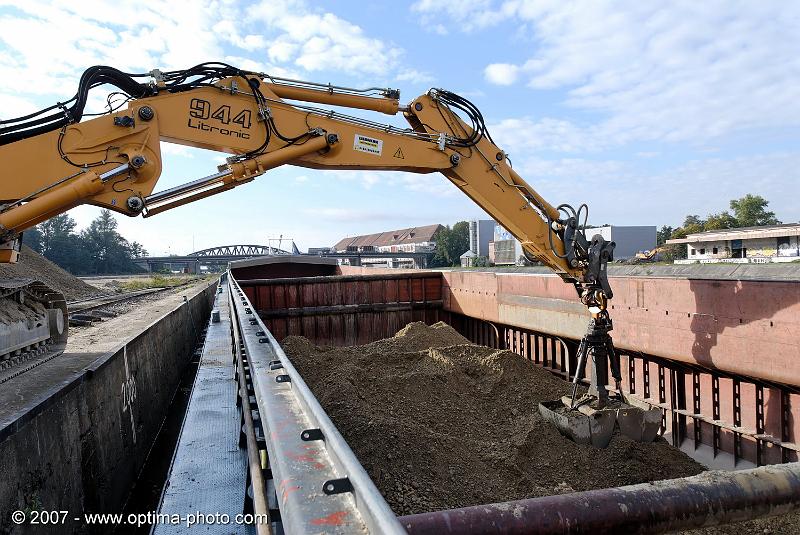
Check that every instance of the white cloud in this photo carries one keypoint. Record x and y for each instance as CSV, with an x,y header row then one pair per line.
x,y
468,14
15,106
52,43
176,150
524,135
619,192
315,40
428,183
683,71
501,73
414,76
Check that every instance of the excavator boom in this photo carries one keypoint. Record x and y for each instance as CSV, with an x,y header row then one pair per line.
x,y
59,158
247,115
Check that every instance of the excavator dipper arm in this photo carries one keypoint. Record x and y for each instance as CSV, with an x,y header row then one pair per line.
x,y
55,160
114,160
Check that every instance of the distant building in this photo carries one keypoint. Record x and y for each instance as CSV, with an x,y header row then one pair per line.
x,y
630,239
506,250
774,243
481,232
320,250
468,259
407,240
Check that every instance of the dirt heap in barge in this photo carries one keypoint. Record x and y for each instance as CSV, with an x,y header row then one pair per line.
x,y
32,265
441,423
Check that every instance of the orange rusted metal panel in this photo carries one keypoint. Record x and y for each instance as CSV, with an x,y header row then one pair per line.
x,y
743,327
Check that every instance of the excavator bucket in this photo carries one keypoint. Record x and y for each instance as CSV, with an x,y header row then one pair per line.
x,y
641,425
586,425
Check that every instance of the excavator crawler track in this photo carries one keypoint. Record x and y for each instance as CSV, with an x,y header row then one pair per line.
x,y
33,325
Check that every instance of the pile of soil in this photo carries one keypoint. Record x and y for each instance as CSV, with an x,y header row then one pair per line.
x,y
32,265
440,423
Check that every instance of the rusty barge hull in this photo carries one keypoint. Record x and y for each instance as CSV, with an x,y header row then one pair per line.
x,y
719,357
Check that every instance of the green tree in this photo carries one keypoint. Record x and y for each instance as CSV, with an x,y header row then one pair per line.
x,y
691,225
663,234
720,221
442,237
33,239
137,250
751,211
107,250
459,243
61,245
451,243
692,220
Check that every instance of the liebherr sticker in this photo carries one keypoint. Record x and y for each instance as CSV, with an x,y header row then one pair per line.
x,y
368,144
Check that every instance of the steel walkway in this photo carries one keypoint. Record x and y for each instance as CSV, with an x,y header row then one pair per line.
x,y
303,475
208,475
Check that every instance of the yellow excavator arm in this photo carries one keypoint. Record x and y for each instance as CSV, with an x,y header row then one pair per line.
x,y
60,158
52,163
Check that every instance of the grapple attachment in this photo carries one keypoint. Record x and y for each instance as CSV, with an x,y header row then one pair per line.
x,y
589,426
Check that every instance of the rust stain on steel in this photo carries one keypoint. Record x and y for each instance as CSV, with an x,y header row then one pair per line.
x,y
333,519
653,318
743,327
346,310
708,499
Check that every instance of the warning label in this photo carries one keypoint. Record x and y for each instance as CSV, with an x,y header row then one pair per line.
x,y
368,144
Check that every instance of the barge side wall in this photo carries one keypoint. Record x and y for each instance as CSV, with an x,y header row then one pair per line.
x,y
82,448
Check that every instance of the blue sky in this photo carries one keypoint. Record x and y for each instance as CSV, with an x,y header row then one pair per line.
x,y
647,111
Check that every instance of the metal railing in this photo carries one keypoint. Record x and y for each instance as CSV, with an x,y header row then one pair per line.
x,y
319,482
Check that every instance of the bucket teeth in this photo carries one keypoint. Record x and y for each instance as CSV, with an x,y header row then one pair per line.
x,y
588,426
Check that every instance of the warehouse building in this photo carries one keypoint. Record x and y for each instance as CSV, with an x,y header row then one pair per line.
x,y
630,239
506,250
775,243
416,240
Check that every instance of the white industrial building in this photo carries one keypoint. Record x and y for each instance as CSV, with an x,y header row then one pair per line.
x,y
630,239
506,250
775,243
481,234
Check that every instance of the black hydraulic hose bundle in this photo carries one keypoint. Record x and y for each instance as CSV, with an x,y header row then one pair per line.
x,y
72,111
36,123
458,102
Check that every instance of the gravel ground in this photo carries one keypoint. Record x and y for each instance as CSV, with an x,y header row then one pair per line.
x,y
125,307
440,423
